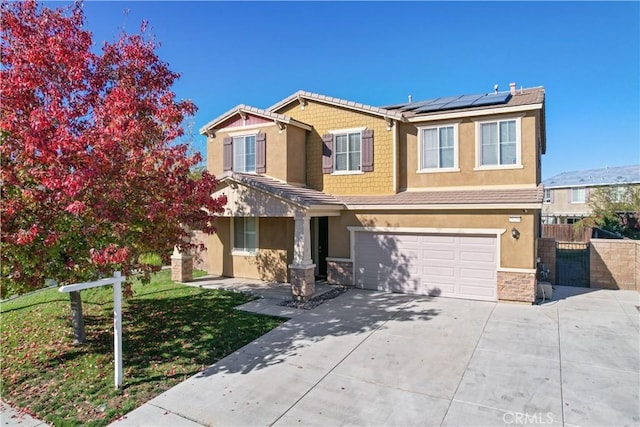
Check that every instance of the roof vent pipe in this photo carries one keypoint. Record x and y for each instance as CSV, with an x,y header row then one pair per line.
x,y
495,88
512,88
410,99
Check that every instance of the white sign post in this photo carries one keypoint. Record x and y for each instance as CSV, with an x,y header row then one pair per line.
x,y
116,281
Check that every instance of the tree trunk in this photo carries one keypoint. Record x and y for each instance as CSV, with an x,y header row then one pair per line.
x,y
77,320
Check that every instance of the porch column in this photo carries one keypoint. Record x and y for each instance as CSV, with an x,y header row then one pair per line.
x,y
302,271
181,266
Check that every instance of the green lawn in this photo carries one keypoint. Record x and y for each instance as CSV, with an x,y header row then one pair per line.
x,y
170,332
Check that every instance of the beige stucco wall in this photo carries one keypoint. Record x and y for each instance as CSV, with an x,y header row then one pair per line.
x,y
324,118
514,253
562,205
270,263
296,154
409,178
285,150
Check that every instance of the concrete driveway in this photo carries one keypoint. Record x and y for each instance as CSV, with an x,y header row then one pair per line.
x,y
371,358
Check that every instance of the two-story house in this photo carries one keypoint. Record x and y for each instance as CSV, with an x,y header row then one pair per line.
x,y
437,197
566,195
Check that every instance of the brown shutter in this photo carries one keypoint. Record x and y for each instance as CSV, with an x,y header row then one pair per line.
x,y
227,153
367,150
551,192
569,195
261,153
327,153
587,193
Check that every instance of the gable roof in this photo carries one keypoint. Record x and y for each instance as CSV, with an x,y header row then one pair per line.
x,y
241,108
522,100
595,177
301,196
301,95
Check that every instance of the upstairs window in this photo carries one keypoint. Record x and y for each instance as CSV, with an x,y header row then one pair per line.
x,y
499,143
578,195
245,235
244,153
548,197
438,147
348,152
619,194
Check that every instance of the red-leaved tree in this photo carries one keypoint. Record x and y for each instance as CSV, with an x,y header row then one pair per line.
x,y
93,179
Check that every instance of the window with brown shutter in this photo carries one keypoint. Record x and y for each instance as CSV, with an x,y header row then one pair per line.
x,y
261,157
227,153
327,153
367,150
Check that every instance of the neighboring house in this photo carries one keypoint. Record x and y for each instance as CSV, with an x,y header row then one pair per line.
x,y
438,197
566,196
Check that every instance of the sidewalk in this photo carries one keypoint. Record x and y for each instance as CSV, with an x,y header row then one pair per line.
x,y
13,417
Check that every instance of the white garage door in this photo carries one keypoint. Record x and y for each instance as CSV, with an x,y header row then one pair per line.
x,y
460,266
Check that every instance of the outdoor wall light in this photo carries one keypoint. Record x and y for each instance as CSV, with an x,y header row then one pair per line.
x,y
515,233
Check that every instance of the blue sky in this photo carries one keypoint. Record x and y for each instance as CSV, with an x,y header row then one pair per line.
x,y
585,54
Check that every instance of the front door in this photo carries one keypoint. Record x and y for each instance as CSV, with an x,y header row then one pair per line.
x,y
320,244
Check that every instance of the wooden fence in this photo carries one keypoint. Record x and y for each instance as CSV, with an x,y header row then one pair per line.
x,y
566,233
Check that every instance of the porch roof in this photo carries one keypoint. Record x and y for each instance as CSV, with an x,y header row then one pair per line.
x,y
302,197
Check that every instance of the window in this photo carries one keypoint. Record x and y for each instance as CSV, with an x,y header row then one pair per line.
x,y
499,143
244,153
547,195
245,235
438,148
619,194
347,152
578,195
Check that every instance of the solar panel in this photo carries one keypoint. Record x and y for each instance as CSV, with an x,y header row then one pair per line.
x,y
452,102
500,98
394,106
464,101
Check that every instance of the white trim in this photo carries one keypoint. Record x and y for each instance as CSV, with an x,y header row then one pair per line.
x,y
497,167
498,120
354,172
473,187
335,259
472,113
517,270
442,170
247,131
428,230
395,130
334,159
240,252
444,207
343,131
456,150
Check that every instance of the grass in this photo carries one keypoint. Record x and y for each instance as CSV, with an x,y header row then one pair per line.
x,y
170,332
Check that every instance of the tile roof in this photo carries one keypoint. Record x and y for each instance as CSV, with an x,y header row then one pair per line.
x,y
302,196
253,110
459,197
594,177
337,101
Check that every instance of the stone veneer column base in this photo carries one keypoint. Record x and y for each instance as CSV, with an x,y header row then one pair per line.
x,y
340,273
516,286
303,280
181,268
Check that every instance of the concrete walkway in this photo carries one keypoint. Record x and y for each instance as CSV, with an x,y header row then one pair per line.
x,y
371,358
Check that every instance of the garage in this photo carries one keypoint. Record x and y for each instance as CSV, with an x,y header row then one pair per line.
x,y
450,265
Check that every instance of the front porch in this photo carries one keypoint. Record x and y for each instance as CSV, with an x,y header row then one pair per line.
x,y
272,231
